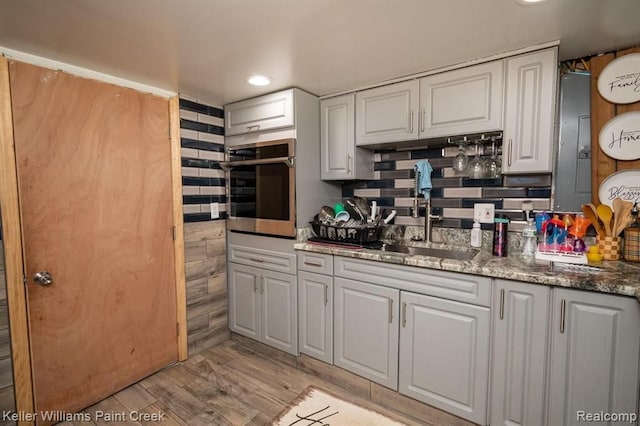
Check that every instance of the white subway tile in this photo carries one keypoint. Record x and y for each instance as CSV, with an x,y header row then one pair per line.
x,y
213,173
211,155
449,172
188,115
212,190
462,193
377,157
190,171
409,221
204,118
210,137
405,164
454,213
189,152
187,133
191,208
405,183
516,203
190,190
403,202
367,192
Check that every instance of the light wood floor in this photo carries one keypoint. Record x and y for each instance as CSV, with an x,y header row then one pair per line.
x,y
245,383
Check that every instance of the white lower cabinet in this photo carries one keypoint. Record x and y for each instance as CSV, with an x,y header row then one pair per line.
x,y
366,330
520,328
595,341
263,306
444,354
315,315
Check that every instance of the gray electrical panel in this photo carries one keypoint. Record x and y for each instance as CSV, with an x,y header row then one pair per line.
x,y
572,178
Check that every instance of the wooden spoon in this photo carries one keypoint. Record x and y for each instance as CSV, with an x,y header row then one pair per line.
x,y
617,206
605,214
589,214
624,217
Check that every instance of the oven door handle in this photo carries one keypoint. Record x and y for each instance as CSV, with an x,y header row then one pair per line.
x,y
227,165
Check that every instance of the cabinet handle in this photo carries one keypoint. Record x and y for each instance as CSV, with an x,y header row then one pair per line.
x,y
404,314
563,308
411,122
509,156
262,286
424,120
326,295
318,264
256,259
349,159
390,311
253,128
502,303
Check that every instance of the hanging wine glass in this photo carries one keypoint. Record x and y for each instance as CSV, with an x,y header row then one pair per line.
x,y
494,165
460,161
476,167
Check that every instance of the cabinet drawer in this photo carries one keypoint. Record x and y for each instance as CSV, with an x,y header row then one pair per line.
x,y
449,285
267,259
315,262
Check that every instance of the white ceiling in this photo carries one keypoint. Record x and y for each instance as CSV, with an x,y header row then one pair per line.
x,y
205,48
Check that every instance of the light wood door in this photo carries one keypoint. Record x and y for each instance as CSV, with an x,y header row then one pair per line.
x,y
444,354
366,330
94,174
468,100
530,109
315,315
387,114
279,311
520,332
594,356
244,300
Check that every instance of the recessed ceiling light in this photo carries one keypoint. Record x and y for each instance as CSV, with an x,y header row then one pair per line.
x,y
530,2
258,80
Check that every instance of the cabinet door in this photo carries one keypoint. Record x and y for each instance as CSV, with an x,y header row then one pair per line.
x,y
444,355
468,100
315,315
387,114
518,373
530,112
279,311
267,112
339,157
594,359
366,330
244,300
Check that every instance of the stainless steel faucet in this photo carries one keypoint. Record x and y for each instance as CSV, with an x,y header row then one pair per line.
x,y
428,216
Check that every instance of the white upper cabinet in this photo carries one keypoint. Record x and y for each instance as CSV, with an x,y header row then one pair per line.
x,y
530,112
266,112
387,113
340,159
467,100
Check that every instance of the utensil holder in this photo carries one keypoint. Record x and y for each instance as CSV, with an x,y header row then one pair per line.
x,y
609,247
632,244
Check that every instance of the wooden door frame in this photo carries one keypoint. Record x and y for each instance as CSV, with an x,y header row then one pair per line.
x,y
13,244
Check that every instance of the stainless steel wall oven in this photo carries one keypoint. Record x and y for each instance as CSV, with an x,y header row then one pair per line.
x,y
261,187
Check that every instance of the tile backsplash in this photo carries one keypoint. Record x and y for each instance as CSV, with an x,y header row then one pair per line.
x,y
202,143
454,193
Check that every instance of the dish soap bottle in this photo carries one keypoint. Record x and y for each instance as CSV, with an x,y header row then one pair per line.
x,y
529,238
476,235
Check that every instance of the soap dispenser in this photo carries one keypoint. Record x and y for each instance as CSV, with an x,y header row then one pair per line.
x,y
476,235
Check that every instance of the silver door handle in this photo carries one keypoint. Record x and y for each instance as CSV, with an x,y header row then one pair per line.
x,y
411,122
348,163
404,314
253,128
424,119
563,309
502,303
390,310
509,156
43,278
326,295
262,286
309,263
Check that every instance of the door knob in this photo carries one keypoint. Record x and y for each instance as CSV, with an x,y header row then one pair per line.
x,y
43,278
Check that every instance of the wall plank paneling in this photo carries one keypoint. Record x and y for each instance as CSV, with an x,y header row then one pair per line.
x,y
602,111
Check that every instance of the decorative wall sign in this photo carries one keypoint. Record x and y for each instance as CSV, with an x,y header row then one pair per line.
x,y
624,184
620,137
619,81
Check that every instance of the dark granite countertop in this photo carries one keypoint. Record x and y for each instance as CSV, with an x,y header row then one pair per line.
x,y
621,278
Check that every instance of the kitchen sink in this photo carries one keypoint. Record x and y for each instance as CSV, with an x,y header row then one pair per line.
x,y
430,251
